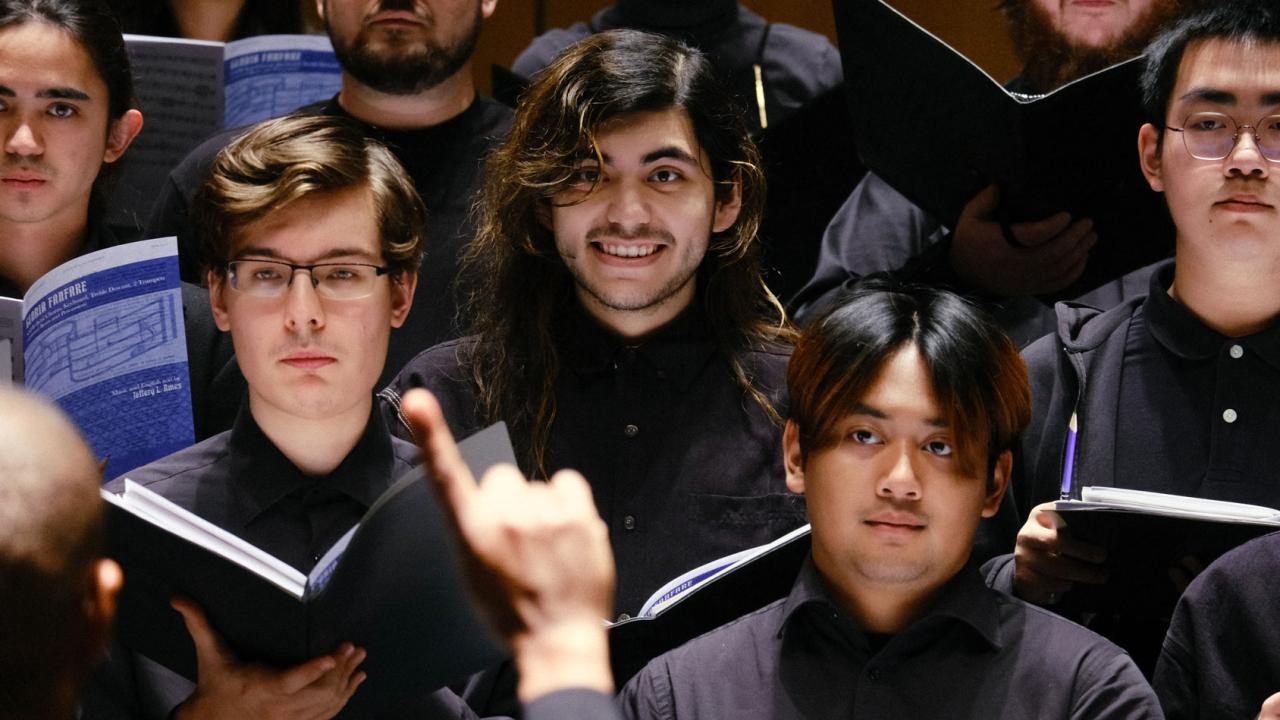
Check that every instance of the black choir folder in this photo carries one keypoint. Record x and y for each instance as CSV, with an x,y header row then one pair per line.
x,y
1145,534
391,586
938,129
705,598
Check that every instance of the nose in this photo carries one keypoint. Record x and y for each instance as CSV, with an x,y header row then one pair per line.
x,y
23,140
627,204
900,482
303,311
1246,157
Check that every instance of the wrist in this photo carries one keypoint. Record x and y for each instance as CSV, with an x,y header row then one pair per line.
x,y
567,655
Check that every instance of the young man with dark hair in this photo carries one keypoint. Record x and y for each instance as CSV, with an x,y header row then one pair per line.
x,y
312,234
57,591
1174,392
621,326
905,405
880,230
406,77
67,111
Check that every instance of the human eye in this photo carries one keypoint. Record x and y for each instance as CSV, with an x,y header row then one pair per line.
x,y
584,176
1206,122
863,436
941,448
341,274
62,110
666,175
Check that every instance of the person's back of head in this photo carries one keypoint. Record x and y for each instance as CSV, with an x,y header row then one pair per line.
x,y
56,591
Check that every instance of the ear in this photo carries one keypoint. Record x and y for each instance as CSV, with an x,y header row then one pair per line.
x,y
792,460
487,7
1149,156
100,605
727,209
217,286
402,287
121,133
999,483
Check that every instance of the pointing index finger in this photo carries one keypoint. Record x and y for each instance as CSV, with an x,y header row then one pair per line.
x,y
448,474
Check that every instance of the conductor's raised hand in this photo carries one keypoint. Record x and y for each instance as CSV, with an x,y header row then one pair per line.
x,y
227,688
536,555
1029,258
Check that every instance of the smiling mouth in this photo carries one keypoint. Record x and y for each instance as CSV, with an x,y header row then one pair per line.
x,y
626,251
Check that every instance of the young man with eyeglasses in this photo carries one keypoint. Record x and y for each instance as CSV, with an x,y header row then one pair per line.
x,y
1175,392
311,237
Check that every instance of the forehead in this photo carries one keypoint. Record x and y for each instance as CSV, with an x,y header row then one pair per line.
x,y
38,55
319,225
1248,71
634,135
903,387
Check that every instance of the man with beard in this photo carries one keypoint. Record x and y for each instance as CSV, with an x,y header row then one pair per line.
x,y
407,77
878,229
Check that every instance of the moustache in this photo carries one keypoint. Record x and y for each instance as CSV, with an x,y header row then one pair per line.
x,y
640,232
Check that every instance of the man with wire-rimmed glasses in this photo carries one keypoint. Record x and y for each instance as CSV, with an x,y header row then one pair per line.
x,y
311,237
1175,392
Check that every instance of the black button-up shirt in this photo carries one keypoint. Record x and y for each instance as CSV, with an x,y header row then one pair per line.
x,y
977,654
1200,411
684,466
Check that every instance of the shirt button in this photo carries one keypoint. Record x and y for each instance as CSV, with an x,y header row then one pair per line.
x,y
1229,415
1236,351
875,674
629,522
623,616
631,431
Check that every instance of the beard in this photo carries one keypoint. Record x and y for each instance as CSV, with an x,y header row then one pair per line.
x,y
1051,60
400,61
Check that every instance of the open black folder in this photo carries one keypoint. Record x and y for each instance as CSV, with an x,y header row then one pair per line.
x,y
391,586
705,598
1145,534
938,129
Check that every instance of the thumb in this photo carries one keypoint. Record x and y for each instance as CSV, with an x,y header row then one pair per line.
x,y
983,205
210,651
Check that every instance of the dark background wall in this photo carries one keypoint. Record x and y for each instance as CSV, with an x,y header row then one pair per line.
x,y
975,27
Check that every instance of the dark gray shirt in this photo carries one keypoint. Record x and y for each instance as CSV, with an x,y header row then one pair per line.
x,y
977,654
684,466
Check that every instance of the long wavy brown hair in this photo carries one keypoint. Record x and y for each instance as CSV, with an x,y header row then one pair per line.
x,y
519,289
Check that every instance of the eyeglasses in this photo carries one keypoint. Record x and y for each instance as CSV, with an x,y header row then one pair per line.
x,y
1212,136
332,281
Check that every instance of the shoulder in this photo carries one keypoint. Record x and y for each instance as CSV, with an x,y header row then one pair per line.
x,y
438,367
806,54
546,47
492,119
187,466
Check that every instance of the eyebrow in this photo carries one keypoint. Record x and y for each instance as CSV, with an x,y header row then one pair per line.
x,y
670,152
864,409
57,93
327,255
1223,97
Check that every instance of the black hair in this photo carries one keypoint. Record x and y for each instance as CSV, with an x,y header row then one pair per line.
x,y
1233,20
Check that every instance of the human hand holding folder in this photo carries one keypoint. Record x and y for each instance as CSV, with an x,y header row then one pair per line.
x,y
1040,257
228,688
537,559
1048,562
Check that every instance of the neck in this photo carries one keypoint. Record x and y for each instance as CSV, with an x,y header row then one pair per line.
x,y
672,14
1233,298
425,109
636,324
30,250
207,19
877,607
315,445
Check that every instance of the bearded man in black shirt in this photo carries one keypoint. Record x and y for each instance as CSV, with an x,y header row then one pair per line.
x,y
407,78
622,327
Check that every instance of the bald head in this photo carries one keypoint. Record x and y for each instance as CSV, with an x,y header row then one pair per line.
x,y
52,579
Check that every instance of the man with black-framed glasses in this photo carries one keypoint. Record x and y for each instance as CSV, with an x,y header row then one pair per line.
x,y
311,237
1175,392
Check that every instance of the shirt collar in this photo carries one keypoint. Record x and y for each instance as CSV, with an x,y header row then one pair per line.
x,y
677,351
262,476
965,599
1184,335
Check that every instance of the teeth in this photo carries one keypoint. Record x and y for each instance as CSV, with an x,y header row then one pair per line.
x,y
630,251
